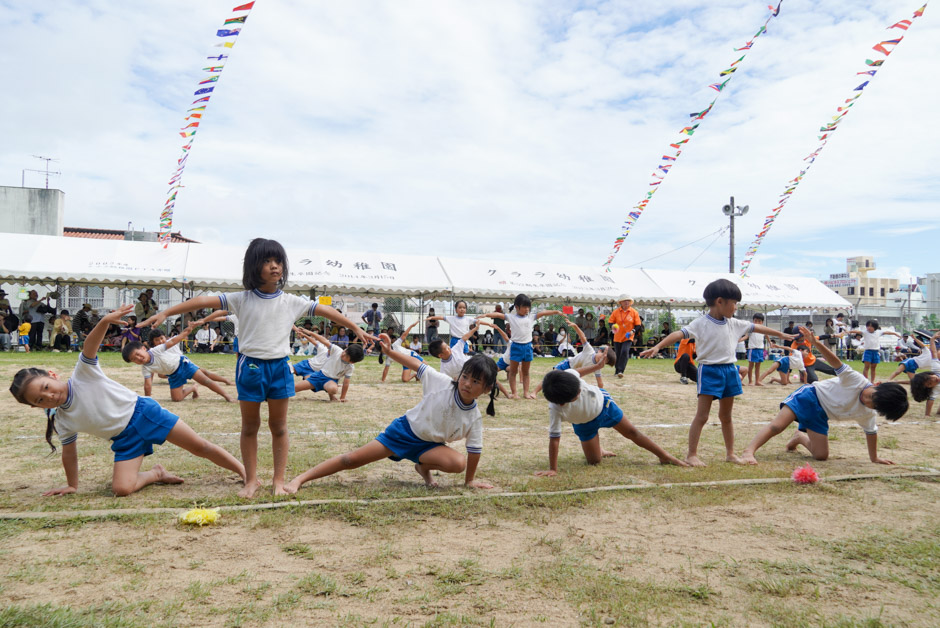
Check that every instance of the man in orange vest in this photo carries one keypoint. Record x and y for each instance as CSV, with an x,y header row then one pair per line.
x,y
622,321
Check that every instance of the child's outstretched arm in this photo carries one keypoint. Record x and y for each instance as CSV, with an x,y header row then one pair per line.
x,y
502,333
669,340
183,335
549,313
933,345
405,360
554,443
872,442
578,331
312,335
217,315
434,318
408,329
824,350
467,336
490,315
332,314
769,331
596,366
196,303
95,337
70,464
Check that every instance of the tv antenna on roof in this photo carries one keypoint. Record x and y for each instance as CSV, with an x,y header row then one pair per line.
x,y
47,171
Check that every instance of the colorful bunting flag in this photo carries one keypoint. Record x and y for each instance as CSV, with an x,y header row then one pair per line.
x,y
188,132
828,129
658,178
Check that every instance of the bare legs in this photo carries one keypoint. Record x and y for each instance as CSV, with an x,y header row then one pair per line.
x,y
698,423
251,422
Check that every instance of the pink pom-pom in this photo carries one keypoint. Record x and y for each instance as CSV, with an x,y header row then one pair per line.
x,y
805,475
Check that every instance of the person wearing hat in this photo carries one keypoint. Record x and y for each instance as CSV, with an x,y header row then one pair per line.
x,y
4,303
622,321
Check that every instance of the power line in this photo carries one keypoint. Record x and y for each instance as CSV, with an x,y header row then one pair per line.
x,y
705,249
720,232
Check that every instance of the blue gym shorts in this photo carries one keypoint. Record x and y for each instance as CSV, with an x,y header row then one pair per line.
x,y
402,441
183,373
719,380
318,380
610,415
910,365
809,412
149,425
872,356
259,380
519,352
501,364
755,355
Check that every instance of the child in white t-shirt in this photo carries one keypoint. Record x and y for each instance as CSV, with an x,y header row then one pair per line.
x,y
454,356
716,337
407,374
327,367
447,412
91,403
916,363
791,362
588,409
459,323
755,352
926,386
588,357
521,320
266,316
849,396
871,343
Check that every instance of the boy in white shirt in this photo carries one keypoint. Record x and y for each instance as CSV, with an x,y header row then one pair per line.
x,y
755,352
783,366
871,343
407,374
453,357
716,336
588,357
588,409
916,363
849,396
165,358
924,386
324,370
91,403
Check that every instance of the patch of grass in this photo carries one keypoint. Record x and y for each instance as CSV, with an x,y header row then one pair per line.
x,y
198,591
300,550
452,581
316,584
779,587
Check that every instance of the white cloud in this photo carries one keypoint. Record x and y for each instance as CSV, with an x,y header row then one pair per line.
x,y
514,129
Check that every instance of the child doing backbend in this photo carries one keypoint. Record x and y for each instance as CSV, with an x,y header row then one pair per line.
x,y
920,361
447,412
849,396
327,367
588,408
521,320
164,358
91,403
716,337
265,318
924,386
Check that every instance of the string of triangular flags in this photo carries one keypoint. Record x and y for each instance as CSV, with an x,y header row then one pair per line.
x,y
231,27
669,159
885,47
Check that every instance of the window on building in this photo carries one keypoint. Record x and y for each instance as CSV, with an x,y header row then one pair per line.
x,y
866,263
882,292
851,290
871,291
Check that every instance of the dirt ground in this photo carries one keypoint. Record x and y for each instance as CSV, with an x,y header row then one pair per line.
x,y
858,552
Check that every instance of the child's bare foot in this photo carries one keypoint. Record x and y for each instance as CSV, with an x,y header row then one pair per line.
x,y
747,458
280,489
758,384
516,397
733,458
164,476
195,393
694,461
670,459
250,489
798,439
607,454
228,398
425,475
530,396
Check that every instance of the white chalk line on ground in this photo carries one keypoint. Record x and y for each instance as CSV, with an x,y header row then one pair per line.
x,y
853,426
124,512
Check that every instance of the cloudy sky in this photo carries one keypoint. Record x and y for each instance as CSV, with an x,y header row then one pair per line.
x,y
492,129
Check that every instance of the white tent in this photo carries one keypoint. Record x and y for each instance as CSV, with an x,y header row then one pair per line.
x,y
758,292
48,259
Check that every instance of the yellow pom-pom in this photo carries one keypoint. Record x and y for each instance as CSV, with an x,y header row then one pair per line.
x,y
200,516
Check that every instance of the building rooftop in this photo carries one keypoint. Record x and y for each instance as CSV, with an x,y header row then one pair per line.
x,y
113,234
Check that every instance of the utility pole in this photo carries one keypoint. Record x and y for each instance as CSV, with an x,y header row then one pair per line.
x,y
731,210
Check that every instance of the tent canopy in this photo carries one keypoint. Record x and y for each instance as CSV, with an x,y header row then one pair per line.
x,y
53,259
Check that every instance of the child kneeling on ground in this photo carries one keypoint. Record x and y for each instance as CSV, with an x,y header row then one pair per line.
x,y
849,396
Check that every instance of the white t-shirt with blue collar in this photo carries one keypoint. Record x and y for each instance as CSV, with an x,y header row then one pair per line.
x,y
840,397
163,361
584,409
441,416
96,404
716,340
452,366
520,327
265,320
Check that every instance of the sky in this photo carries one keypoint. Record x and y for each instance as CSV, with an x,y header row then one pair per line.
x,y
493,129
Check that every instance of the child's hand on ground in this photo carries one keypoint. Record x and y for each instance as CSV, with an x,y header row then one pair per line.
x,y
65,490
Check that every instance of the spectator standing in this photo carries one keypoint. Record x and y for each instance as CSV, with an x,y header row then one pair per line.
x,y
549,340
622,321
35,314
602,337
205,339
431,329
590,327
62,329
4,303
501,324
372,318
144,309
4,332
789,328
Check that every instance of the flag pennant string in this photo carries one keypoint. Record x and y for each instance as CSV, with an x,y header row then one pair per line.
x,y
688,131
827,130
193,120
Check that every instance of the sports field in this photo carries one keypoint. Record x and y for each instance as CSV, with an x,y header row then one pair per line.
x,y
375,547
